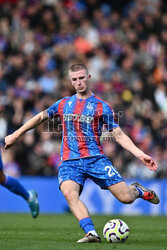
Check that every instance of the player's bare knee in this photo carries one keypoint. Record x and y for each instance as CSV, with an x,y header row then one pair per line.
x,y
70,195
126,199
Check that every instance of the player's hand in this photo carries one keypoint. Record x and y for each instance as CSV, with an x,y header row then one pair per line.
x,y
148,162
10,140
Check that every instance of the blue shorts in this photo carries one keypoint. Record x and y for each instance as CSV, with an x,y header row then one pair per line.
x,y
97,168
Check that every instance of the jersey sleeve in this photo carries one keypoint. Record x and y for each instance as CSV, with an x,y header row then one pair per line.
x,y
53,110
109,118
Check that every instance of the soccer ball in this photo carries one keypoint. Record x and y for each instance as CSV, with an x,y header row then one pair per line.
x,y
116,231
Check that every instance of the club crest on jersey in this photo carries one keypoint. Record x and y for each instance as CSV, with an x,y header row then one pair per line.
x,y
89,106
70,102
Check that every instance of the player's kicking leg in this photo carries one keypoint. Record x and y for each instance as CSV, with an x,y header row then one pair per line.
x,y
14,186
128,194
71,191
146,194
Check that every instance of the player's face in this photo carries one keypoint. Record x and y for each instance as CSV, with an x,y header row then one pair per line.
x,y
80,81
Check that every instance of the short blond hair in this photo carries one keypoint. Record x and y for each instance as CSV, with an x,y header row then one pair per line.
x,y
78,66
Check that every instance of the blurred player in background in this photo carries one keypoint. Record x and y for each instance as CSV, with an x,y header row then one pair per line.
x,y
13,185
83,116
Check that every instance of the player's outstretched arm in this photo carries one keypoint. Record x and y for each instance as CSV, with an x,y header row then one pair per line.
x,y
32,123
127,143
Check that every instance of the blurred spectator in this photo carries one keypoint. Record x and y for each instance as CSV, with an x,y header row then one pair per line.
x,y
10,166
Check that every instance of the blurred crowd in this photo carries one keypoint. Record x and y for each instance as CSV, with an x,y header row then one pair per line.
x,y
124,46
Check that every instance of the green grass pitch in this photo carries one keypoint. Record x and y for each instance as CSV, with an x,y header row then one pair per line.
x,y
60,232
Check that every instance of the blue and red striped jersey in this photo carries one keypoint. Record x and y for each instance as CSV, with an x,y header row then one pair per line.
x,y
82,121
